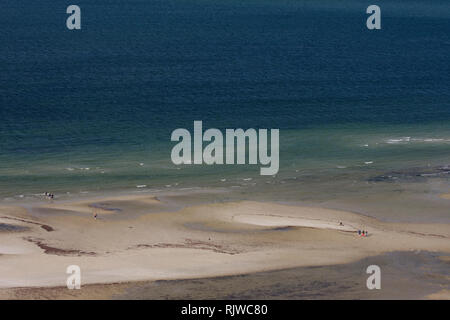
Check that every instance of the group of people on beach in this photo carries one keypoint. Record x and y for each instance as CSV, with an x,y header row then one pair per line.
x,y
49,195
363,233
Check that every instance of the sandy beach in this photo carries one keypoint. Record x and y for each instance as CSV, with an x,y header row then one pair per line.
x,y
201,241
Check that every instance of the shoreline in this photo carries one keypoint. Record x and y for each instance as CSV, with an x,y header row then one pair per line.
x,y
143,240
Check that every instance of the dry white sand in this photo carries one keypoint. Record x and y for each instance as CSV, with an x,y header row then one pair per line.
x,y
200,241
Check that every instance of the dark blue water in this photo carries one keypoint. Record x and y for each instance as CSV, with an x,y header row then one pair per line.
x,y
94,109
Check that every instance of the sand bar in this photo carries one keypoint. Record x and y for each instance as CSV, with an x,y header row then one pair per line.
x,y
200,241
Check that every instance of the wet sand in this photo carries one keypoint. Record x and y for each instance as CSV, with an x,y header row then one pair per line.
x,y
120,252
405,275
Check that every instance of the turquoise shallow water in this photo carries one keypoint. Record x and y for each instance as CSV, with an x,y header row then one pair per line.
x,y
92,111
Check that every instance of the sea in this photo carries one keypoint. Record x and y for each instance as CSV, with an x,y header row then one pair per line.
x,y
364,115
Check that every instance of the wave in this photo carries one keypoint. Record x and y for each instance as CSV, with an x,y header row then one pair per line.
x,y
412,140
